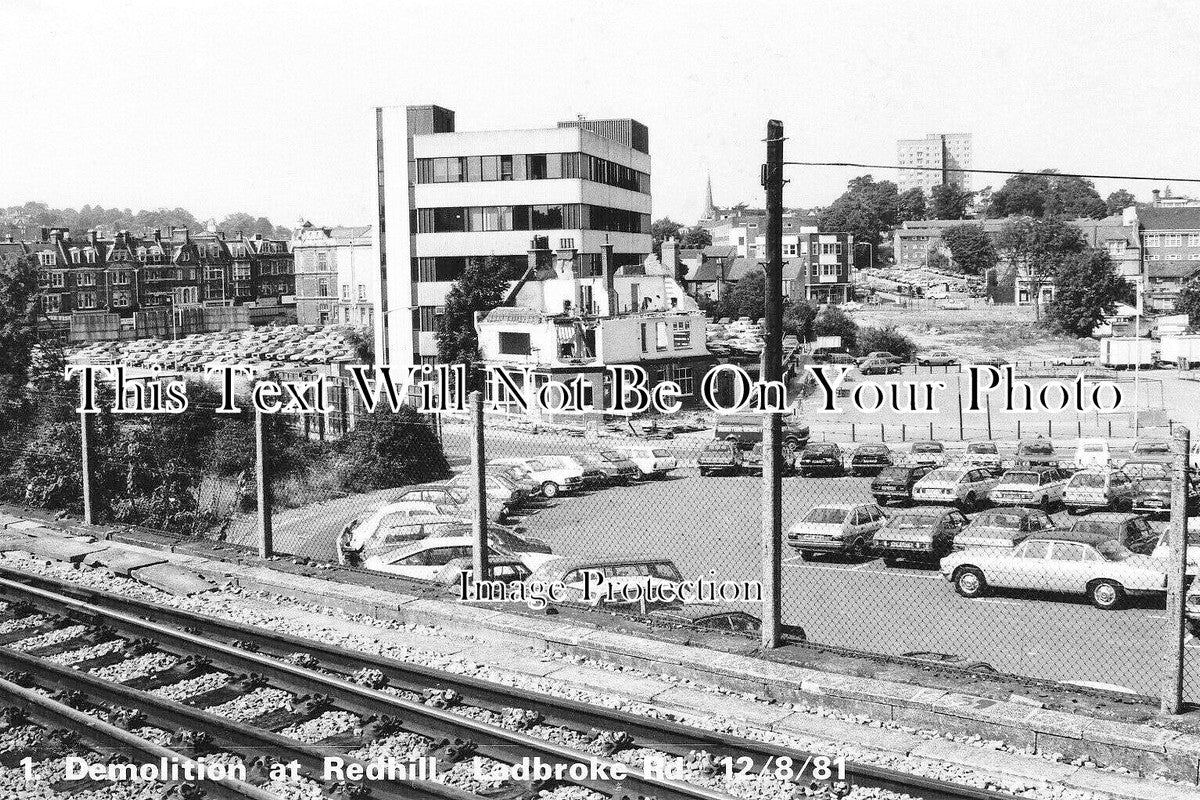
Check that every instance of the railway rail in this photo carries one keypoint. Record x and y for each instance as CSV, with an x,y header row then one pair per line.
x,y
386,696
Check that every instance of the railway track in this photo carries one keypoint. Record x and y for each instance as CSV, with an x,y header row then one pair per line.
x,y
457,718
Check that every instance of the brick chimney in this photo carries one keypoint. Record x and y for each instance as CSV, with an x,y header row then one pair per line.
x,y
93,237
45,232
670,256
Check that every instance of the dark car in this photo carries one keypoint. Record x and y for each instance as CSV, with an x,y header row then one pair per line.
x,y
617,471
878,366
1131,530
1153,496
753,460
720,457
823,458
1035,453
924,534
896,483
869,459
823,355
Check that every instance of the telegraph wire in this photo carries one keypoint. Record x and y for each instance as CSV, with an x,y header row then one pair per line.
x,y
992,171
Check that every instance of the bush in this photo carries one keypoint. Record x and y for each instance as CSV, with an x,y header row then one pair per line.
x,y
388,449
889,340
834,322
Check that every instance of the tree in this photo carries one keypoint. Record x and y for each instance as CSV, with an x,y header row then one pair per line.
x,y
19,302
480,288
912,206
947,201
938,261
1087,287
798,316
1118,201
888,340
1046,194
747,297
865,209
971,248
1036,248
391,448
1188,302
663,229
696,238
834,322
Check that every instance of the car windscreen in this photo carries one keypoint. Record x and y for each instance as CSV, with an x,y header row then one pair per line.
x,y
1010,521
611,455
894,474
1092,526
1113,550
872,449
1086,480
946,475
927,447
665,570
1021,479
1037,448
1095,448
821,449
660,453
1154,485
832,516
535,465
908,521
989,449
1152,447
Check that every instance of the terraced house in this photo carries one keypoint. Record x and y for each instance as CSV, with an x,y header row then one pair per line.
x,y
446,197
131,286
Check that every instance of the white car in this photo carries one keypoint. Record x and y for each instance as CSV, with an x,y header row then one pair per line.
x,y
929,454
843,529
1092,453
426,558
553,480
652,462
965,487
1029,487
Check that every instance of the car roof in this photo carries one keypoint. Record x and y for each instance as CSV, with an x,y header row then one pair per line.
x,y
1107,516
1072,536
839,506
921,511
1019,511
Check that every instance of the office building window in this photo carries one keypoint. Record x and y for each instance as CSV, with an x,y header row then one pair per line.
x,y
491,168
506,168
536,167
427,318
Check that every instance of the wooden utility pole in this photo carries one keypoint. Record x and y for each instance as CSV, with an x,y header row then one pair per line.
x,y
479,519
772,486
266,539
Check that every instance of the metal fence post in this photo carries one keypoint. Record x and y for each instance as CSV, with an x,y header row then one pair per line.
x,y
479,519
1172,688
266,543
931,429
85,456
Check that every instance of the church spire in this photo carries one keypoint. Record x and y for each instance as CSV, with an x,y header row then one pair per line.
x,y
710,211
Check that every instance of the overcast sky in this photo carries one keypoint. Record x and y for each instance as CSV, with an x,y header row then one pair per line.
x,y
265,107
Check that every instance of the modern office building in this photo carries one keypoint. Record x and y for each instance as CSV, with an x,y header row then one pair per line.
x,y
446,197
926,163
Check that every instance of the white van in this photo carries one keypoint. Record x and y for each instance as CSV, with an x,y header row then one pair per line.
x,y
652,462
1092,453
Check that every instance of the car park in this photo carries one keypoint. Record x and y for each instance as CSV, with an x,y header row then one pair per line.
x,y
823,458
923,534
752,462
895,483
501,492
1003,527
1035,453
1030,487
967,487
937,358
1131,530
1093,565
552,480
1091,453
652,462
984,455
719,458
1098,489
932,454
838,529
870,459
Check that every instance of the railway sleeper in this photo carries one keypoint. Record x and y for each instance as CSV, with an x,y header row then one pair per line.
x,y
99,635
298,710
183,669
52,623
236,687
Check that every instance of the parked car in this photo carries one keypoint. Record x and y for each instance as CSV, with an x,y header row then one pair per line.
x,y
1147,470
720,457
822,355
517,475
931,453
880,355
652,462
1151,450
878,366
1098,567
924,534
609,574
1003,527
896,483
953,305
937,358
752,460
823,458
967,487
591,477
984,455
503,569
1153,496
1035,453
1098,488
870,459
1075,360
505,495
1092,453
1030,487
1162,549
425,559
551,480
842,529
1131,530
371,540
748,428
618,470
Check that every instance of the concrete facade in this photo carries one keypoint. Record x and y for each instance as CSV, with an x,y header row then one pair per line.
x,y
924,162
